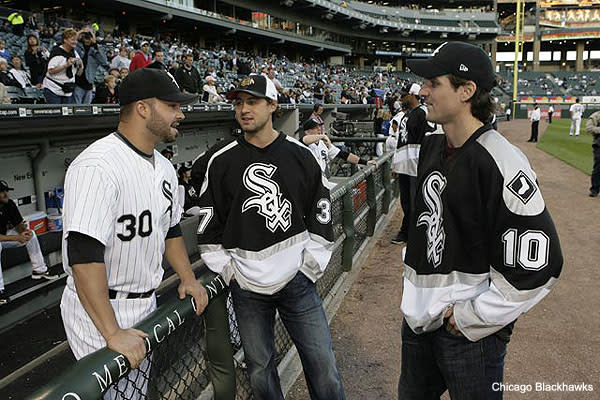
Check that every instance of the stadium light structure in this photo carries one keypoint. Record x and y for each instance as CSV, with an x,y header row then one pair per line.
x,y
518,48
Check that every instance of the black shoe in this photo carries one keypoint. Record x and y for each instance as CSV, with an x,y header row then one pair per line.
x,y
593,193
43,275
4,298
400,238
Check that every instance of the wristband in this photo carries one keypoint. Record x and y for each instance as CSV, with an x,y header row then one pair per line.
x,y
362,161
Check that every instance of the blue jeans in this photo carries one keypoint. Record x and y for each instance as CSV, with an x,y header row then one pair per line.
x,y
301,311
52,98
435,361
82,96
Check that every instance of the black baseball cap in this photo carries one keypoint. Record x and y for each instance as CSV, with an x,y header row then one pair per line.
x,y
310,124
146,83
457,58
4,186
255,85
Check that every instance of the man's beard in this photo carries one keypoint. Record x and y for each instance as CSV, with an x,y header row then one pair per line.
x,y
256,129
160,129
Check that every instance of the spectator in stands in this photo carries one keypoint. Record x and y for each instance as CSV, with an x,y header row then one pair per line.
x,y
168,154
36,59
92,58
107,93
4,97
14,233
318,92
21,75
6,77
4,53
122,60
210,93
271,74
123,72
115,72
159,61
142,58
63,65
18,23
188,77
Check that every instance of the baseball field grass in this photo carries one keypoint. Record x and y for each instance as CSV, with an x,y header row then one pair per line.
x,y
574,150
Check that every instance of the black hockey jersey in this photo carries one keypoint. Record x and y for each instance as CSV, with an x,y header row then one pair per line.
x,y
481,237
265,213
413,128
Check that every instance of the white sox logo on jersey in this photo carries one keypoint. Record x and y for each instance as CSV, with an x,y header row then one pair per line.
x,y
433,187
166,190
269,202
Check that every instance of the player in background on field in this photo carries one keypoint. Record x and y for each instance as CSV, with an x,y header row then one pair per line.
x,y
535,117
121,214
266,228
483,249
576,111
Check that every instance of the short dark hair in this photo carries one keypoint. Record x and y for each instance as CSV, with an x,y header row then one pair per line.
x,y
482,103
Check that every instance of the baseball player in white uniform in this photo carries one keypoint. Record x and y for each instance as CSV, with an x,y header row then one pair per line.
x,y
576,110
121,214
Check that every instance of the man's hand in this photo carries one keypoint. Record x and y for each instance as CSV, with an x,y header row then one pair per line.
x,y
197,291
130,343
373,163
326,139
70,61
451,324
24,237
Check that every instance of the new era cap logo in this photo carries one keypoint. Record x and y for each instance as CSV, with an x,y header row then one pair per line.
x,y
463,68
522,187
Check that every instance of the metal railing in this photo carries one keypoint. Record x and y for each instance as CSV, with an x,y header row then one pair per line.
x,y
190,357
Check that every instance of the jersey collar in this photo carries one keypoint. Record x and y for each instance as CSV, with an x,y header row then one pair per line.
x,y
128,143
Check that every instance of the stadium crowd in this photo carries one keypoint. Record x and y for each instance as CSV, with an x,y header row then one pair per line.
x,y
84,64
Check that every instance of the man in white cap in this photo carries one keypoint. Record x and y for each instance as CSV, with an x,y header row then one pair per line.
x,y
210,91
142,58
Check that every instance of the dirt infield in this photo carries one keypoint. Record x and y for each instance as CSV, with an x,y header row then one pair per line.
x,y
558,341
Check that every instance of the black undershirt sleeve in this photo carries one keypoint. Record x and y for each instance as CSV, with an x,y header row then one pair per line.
x,y
174,231
342,155
84,249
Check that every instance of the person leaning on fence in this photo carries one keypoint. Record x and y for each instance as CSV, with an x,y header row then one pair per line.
x,y
593,128
266,228
121,215
324,152
483,249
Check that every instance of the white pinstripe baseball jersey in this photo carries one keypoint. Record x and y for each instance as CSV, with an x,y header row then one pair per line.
x,y
126,200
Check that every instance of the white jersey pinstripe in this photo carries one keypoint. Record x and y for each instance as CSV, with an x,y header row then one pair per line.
x,y
128,202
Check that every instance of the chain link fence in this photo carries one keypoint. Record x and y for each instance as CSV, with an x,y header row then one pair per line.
x,y
178,363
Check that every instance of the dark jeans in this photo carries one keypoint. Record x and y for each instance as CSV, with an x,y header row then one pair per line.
x,y
301,311
438,361
408,190
550,117
534,131
52,98
596,170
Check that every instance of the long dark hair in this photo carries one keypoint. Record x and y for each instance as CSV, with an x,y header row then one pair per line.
x,y
29,49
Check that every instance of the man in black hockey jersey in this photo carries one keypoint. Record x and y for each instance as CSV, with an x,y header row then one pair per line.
x,y
483,249
407,155
266,228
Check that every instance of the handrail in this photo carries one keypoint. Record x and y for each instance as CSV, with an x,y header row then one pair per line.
x,y
94,374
